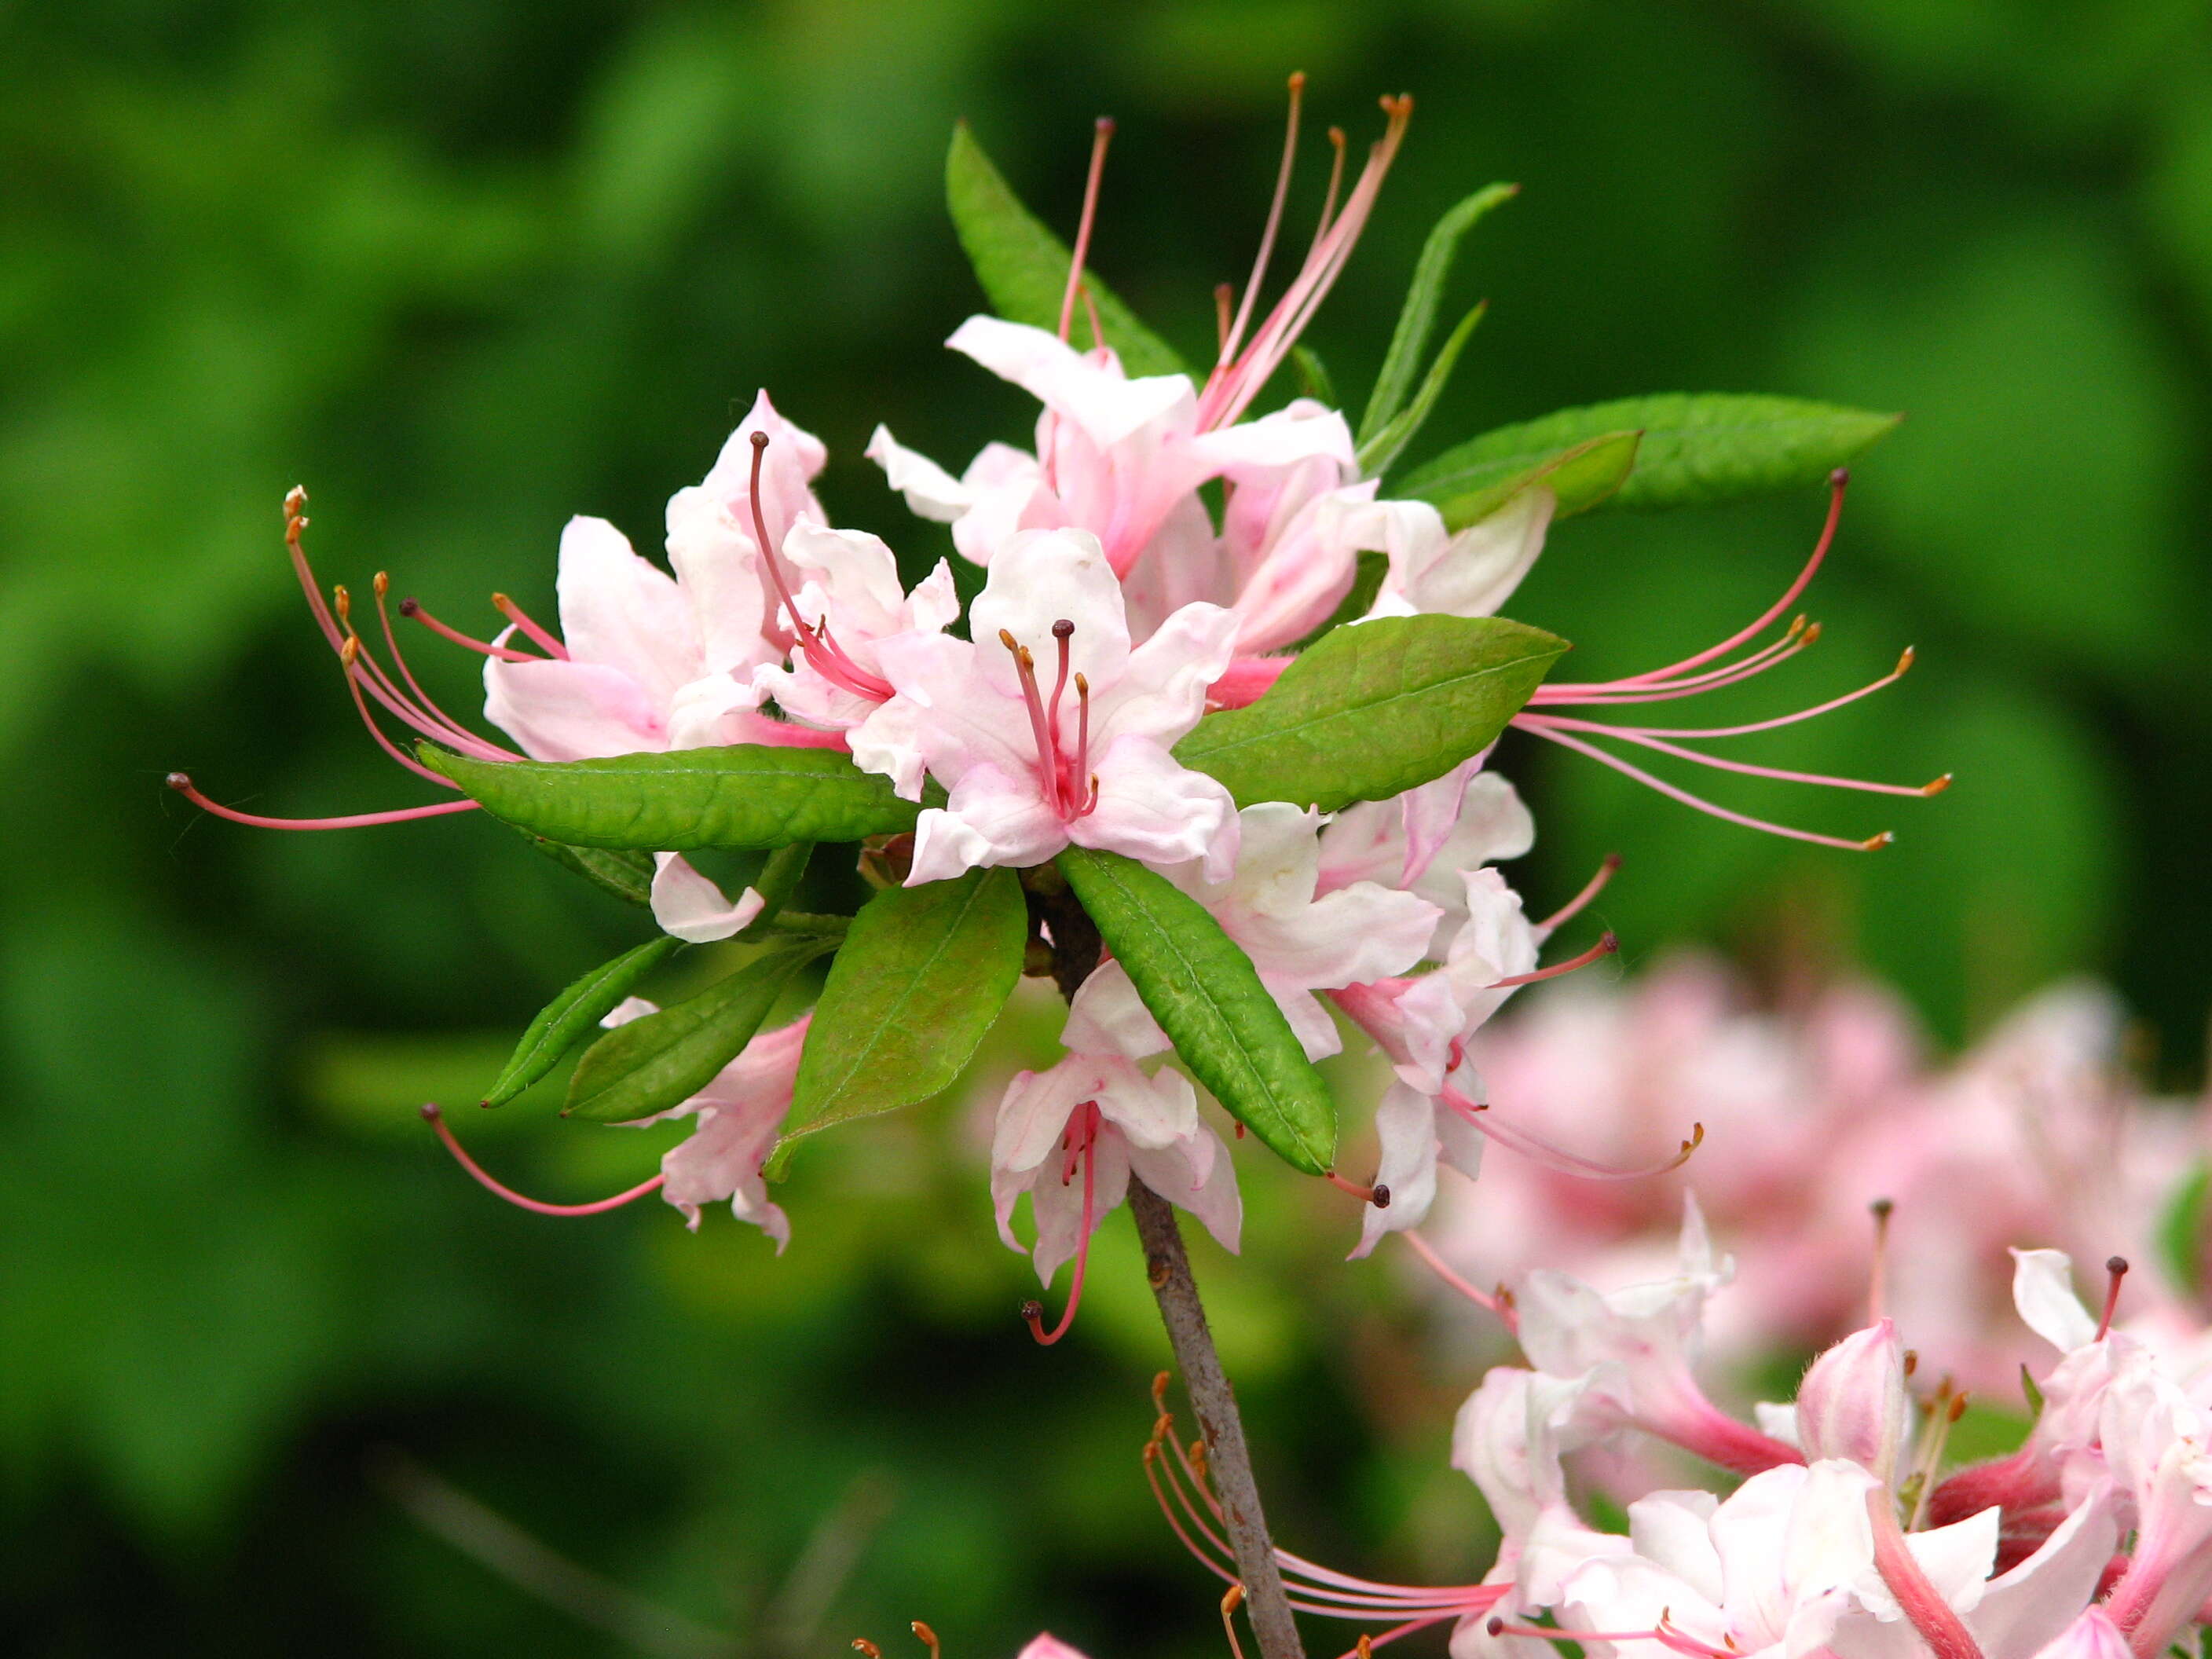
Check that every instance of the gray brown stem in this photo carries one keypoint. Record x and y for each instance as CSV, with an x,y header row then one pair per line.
x,y
1167,1265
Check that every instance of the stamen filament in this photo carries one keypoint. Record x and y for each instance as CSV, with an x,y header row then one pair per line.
x,y
1904,663
436,1120
1533,1147
1542,728
515,614
184,786
1800,637
1101,133
1642,739
1443,1270
413,608
1574,906
1232,334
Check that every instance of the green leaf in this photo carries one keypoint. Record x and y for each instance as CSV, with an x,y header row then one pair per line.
x,y
1024,267
663,1059
627,875
1411,338
1208,999
2181,1228
1698,448
566,1019
919,978
1313,378
1379,453
1579,476
746,795
1372,711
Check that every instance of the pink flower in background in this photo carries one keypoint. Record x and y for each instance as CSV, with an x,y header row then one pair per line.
x,y
1047,728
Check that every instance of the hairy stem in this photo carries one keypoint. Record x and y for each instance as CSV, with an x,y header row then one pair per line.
x,y
1167,1265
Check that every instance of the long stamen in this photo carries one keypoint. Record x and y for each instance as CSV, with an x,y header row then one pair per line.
x,y
1102,134
515,614
1340,145
182,783
413,609
1605,947
1838,482
1033,1312
1543,728
350,659
1444,1271
455,733
1800,635
1574,906
1235,333
436,1120
768,552
1904,663
1083,748
1535,1147
1632,734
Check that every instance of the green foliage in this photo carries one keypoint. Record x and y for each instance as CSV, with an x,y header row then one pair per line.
x,y
626,873
2181,1233
1208,999
1024,267
564,1022
1370,711
1699,448
1379,453
663,1059
746,795
1403,361
918,982
1579,478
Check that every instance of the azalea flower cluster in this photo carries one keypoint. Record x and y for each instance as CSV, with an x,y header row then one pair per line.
x,y
1840,1530
1157,552
1813,1114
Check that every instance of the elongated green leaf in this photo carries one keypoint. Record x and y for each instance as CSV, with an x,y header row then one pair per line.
x,y
919,978
627,875
663,1059
1698,447
1580,477
2181,1228
1024,267
1402,362
1314,378
746,795
563,1022
1379,453
1208,999
1374,710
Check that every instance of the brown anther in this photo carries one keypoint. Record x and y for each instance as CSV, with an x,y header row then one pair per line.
x,y
1938,786
1297,81
341,602
1160,1391
1006,639
1365,1646
1812,632
1026,658
294,499
1082,686
1240,1131
1876,844
349,653
1959,1405
1905,658
928,1635
1911,1361
860,1643
381,582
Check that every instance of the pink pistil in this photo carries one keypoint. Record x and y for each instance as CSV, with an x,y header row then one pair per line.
x,y
436,1120
1082,1138
2116,1269
1378,1194
1103,134
1937,1620
1605,947
184,786
413,608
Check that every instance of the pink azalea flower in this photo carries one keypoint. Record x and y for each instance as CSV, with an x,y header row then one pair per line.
x,y
1073,1137
738,1116
1852,1404
1300,943
1469,573
1048,728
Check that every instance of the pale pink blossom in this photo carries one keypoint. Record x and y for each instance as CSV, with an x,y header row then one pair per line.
x,y
1047,728
1298,940
737,1116
1852,1403
1468,572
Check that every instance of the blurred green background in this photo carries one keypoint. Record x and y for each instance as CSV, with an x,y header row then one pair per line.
x,y
466,268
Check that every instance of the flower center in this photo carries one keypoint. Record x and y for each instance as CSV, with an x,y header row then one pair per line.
x,y
823,654
1071,788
